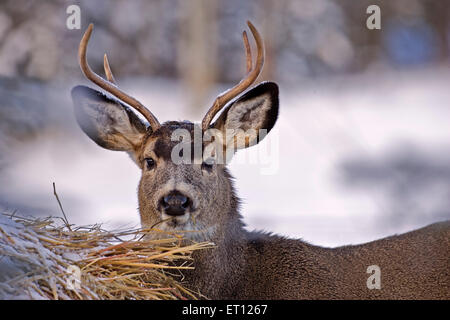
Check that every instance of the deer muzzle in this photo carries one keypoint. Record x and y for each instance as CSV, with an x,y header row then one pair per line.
x,y
175,203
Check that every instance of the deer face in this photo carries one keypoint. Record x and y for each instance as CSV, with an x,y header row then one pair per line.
x,y
184,184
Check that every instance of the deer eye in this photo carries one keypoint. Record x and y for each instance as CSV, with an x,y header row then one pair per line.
x,y
150,163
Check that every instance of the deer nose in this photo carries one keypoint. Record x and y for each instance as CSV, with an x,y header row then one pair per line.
x,y
175,203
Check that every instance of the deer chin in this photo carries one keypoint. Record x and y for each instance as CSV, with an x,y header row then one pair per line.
x,y
184,226
175,222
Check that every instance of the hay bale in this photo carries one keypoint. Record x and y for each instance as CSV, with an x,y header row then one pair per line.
x,y
37,257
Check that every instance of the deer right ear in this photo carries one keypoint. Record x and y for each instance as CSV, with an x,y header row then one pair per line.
x,y
108,122
244,119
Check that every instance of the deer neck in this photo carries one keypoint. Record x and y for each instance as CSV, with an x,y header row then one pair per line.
x,y
218,270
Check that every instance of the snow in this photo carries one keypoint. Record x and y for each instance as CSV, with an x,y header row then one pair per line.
x,y
19,265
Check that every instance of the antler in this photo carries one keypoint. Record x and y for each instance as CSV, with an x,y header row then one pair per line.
x,y
246,82
110,85
108,71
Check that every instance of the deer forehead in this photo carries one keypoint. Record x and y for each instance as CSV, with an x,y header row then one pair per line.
x,y
161,142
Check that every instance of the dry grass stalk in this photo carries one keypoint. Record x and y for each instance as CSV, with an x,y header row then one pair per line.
x,y
37,252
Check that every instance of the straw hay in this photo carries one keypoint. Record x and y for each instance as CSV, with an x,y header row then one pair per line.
x,y
35,255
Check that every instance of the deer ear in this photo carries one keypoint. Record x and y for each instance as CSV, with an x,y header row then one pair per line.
x,y
108,122
248,119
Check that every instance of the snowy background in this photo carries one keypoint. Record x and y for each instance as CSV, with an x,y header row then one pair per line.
x,y
361,145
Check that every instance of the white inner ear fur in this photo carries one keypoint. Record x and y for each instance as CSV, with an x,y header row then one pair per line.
x,y
248,114
114,125
245,119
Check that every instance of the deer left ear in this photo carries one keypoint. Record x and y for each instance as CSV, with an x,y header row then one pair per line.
x,y
108,122
248,119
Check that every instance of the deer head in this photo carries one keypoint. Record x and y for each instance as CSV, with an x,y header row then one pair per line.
x,y
195,194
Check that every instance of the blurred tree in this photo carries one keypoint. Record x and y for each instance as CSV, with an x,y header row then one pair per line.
x,y
267,17
437,13
197,49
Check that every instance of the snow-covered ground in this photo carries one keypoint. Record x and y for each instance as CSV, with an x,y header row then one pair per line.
x,y
325,129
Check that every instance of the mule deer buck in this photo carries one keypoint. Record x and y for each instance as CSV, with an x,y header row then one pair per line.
x,y
199,196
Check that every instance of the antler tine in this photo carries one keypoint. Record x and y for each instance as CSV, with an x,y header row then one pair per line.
x,y
108,86
248,52
246,82
108,71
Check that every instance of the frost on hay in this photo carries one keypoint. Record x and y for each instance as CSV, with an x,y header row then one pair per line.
x,y
38,258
